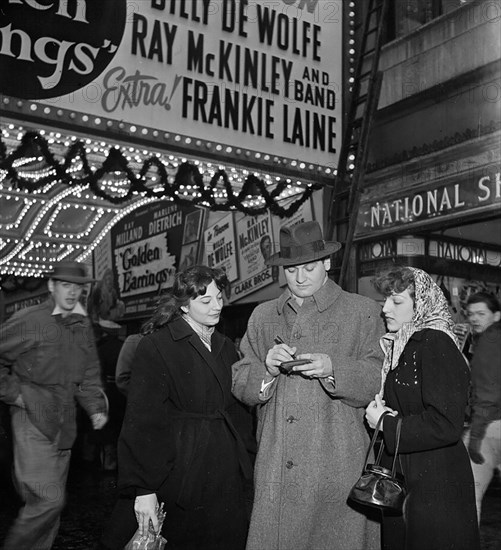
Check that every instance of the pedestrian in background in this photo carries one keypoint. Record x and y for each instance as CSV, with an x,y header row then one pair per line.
x,y
426,382
180,443
109,345
121,525
125,361
48,362
484,435
310,423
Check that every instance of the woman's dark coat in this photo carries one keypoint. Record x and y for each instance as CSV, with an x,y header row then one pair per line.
x,y
181,438
429,389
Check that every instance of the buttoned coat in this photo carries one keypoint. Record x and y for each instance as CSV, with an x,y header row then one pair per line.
x,y
429,389
311,434
184,438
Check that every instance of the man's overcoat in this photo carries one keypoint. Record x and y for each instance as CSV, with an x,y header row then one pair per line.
x,y
311,434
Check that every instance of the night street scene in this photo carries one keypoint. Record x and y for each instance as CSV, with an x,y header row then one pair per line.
x,y
250,275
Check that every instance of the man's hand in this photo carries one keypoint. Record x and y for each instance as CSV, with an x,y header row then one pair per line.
x,y
320,366
99,420
145,508
276,356
474,450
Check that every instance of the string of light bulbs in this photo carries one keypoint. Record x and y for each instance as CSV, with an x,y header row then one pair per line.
x,y
121,177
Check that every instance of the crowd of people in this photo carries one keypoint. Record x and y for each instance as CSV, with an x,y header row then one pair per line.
x,y
257,447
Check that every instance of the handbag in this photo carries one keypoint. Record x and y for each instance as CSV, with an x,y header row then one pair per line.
x,y
377,485
152,540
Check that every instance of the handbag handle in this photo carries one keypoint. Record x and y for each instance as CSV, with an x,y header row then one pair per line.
x,y
373,442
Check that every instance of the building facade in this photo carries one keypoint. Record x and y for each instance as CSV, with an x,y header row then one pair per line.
x,y
432,190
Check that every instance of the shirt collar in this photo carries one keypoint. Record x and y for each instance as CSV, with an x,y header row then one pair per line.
x,y
78,310
203,332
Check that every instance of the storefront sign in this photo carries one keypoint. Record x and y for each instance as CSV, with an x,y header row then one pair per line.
x,y
439,201
444,249
220,247
146,248
462,252
255,244
255,74
382,249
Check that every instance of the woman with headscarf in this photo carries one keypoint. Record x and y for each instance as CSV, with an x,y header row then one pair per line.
x,y
181,442
425,382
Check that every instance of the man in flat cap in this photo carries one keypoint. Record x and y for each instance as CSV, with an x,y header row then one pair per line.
x,y
48,362
311,434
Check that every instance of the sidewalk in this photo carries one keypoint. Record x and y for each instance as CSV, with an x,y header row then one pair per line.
x,y
91,495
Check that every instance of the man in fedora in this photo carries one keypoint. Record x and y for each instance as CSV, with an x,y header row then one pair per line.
x,y
311,433
48,362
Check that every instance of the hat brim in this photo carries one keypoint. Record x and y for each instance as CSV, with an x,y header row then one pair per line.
x,y
330,248
71,279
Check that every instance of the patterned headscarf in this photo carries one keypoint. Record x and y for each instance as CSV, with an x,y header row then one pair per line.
x,y
430,311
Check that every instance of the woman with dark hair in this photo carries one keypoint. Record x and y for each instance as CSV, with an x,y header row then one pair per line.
x,y
425,381
179,443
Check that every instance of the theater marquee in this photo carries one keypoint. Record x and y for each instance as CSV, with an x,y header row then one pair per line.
x,y
258,75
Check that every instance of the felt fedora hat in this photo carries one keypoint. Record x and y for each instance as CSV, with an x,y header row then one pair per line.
x,y
302,243
71,272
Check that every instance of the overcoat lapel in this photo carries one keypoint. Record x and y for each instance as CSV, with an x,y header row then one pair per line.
x,y
180,329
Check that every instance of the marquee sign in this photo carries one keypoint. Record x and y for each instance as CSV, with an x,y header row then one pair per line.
x,y
258,75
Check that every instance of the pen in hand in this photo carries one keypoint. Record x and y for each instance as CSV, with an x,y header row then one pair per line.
x,y
279,340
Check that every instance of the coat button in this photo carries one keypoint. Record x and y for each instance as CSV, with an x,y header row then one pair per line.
x,y
297,335
289,464
291,419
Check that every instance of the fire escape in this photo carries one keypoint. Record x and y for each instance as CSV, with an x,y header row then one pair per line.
x,y
348,182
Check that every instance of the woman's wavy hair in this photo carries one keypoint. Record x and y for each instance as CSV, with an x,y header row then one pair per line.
x,y
188,284
395,280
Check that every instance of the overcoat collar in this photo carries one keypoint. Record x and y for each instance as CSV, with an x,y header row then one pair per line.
x,y
323,298
180,329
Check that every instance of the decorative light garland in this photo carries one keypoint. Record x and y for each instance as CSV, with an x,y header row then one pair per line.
x,y
38,163
117,180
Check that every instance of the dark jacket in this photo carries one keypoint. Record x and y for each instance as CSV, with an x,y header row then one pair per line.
x,y
486,380
429,389
125,362
50,361
179,438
